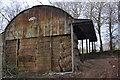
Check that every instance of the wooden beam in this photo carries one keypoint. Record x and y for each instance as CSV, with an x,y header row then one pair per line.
x,y
86,46
92,47
82,47
82,57
89,46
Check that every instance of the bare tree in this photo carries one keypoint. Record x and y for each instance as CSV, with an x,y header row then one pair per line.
x,y
40,2
112,20
8,12
1,21
88,10
105,18
97,18
13,9
73,8
95,12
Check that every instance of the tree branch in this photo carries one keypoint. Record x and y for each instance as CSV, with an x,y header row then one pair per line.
x,y
50,2
5,17
40,2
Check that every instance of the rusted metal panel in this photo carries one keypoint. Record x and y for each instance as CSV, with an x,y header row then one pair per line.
x,y
39,21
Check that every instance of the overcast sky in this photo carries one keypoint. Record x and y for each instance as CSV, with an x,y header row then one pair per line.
x,y
35,2
30,2
46,2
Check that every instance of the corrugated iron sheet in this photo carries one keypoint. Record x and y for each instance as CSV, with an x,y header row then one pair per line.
x,y
39,21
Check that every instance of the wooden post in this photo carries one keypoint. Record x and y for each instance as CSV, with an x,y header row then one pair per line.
x,y
86,46
82,57
92,46
73,65
82,47
89,46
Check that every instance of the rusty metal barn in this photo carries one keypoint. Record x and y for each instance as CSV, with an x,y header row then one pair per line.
x,y
45,38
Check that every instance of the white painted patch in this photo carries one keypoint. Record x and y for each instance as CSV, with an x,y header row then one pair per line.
x,y
32,18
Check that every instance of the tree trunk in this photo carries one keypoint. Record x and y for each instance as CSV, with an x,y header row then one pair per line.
x,y
99,29
111,48
110,32
100,38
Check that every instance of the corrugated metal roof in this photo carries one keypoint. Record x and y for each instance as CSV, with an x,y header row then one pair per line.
x,y
42,20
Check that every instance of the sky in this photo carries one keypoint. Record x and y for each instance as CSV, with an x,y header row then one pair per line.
x,y
30,2
35,2
46,2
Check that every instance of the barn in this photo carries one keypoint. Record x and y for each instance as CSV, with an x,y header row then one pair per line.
x,y
45,38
